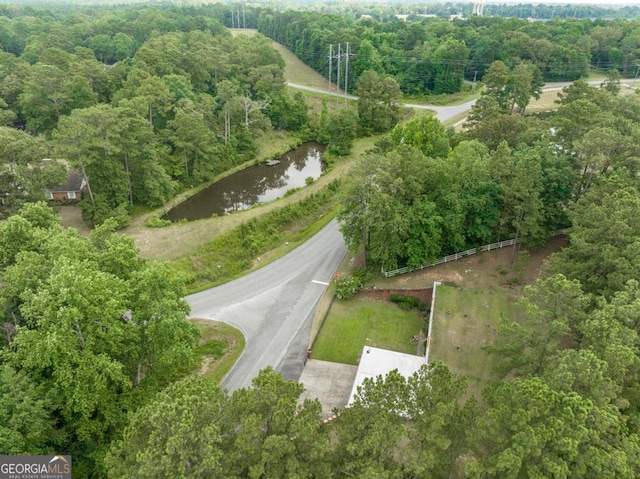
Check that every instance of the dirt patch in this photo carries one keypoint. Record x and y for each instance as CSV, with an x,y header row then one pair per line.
x,y
504,267
71,217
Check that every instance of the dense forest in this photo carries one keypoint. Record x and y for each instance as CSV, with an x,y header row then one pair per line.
x,y
142,101
96,355
434,56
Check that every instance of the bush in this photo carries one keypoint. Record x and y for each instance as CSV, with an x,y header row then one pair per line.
x,y
155,222
405,302
334,185
348,286
214,348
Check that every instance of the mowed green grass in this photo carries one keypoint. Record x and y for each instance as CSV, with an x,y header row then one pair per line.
x,y
468,319
349,323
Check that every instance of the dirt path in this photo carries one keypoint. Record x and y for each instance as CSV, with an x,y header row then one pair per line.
x,y
71,217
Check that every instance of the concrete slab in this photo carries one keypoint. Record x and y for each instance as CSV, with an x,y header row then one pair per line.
x,y
330,383
376,362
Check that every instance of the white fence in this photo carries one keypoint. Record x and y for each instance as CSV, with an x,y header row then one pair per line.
x,y
452,257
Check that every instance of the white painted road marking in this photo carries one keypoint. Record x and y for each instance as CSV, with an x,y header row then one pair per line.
x,y
319,282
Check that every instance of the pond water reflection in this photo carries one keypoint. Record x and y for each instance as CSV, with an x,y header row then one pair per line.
x,y
255,184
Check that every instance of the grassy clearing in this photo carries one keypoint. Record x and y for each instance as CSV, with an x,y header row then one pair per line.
x,y
464,321
349,324
219,348
297,72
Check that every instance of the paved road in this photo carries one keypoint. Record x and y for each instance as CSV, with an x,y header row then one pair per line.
x,y
443,113
274,306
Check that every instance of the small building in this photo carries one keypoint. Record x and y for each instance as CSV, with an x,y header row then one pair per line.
x,y
71,190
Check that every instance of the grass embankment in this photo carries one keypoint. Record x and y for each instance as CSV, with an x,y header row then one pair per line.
x,y
259,240
465,320
352,324
219,348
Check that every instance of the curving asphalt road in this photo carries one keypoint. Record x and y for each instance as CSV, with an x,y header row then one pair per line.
x,y
443,113
274,306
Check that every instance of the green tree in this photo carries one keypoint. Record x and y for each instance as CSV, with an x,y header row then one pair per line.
x,y
159,440
425,133
553,311
612,83
370,433
496,82
378,97
449,60
194,144
25,424
602,251
24,176
7,116
532,430
374,213
340,130
526,82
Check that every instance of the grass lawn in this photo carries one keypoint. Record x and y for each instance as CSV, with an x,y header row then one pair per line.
x,y
219,348
464,321
350,323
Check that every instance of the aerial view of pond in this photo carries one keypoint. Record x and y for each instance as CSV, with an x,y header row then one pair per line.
x,y
255,184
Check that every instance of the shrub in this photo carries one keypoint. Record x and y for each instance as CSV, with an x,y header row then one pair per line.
x,y
214,348
334,185
405,302
155,222
347,286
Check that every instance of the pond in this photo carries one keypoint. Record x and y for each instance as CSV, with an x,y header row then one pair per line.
x,y
255,184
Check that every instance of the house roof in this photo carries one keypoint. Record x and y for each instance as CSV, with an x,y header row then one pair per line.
x,y
75,182
376,362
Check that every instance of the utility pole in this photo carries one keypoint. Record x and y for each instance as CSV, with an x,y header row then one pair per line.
x,y
475,72
346,73
339,55
330,63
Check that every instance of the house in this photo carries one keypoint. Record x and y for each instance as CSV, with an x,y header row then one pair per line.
x,y
71,190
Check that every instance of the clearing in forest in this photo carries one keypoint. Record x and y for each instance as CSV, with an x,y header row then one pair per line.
x,y
464,321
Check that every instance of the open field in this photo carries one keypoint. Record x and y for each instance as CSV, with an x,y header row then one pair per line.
x,y
464,321
355,323
212,367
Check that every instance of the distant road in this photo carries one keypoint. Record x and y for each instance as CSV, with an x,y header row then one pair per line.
x,y
274,306
444,113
